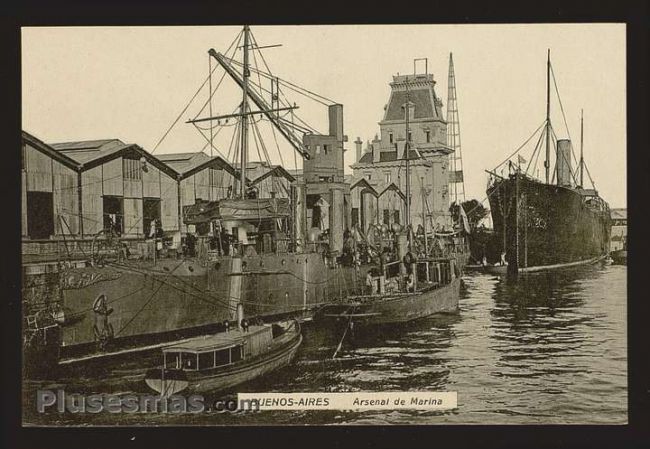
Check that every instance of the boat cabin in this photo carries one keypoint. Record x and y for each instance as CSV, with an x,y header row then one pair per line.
x,y
427,273
218,350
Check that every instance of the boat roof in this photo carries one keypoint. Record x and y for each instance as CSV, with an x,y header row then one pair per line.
x,y
215,342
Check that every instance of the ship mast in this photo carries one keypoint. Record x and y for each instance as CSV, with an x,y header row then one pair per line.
x,y
582,160
244,117
408,171
547,162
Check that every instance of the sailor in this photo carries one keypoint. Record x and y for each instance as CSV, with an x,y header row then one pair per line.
x,y
369,283
484,261
244,325
408,261
152,229
410,283
226,325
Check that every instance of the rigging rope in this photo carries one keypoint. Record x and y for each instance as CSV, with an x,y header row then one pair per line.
x,y
520,147
191,100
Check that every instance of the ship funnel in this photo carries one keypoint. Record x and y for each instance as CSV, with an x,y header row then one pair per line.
x,y
563,155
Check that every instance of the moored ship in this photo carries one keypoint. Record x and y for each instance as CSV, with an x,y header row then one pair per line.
x,y
548,224
124,251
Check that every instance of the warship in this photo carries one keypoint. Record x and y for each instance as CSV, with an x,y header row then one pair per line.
x,y
264,249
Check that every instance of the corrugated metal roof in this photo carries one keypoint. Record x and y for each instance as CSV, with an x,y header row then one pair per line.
x,y
90,150
83,144
184,162
49,150
91,153
178,156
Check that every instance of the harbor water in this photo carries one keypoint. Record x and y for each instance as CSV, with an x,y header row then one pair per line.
x,y
549,348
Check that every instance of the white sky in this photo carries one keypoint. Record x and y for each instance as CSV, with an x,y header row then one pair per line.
x,y
131,83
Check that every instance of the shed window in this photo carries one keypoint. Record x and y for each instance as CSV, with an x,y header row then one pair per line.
x,y
317,149
390,137
131,168
325,149
428,133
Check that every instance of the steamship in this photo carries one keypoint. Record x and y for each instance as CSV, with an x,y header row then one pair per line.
x,y
548,224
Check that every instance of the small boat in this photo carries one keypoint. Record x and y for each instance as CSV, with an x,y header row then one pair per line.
x,y
487,269
436,291
220,361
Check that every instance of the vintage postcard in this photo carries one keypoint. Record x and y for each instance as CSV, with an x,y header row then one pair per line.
x,y
333,224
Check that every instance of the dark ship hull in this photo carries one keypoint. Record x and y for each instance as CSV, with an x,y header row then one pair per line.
x,y
544,226
174,299
400,308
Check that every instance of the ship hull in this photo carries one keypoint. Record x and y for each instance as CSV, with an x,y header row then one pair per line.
x,y
397,309
221,379
543,226
175,299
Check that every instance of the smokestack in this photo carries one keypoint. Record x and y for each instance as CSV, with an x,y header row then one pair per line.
x,y
357,144
336,121
563,162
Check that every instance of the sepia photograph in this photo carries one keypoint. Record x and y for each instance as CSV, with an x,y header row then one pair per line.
x,y
304,225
